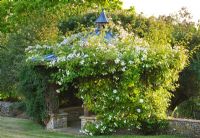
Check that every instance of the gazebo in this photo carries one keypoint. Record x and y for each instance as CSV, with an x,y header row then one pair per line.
x,y
78,113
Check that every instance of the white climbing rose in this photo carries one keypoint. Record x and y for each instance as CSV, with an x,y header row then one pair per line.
x,y
138,110
117,60
114,91
141,101
82,62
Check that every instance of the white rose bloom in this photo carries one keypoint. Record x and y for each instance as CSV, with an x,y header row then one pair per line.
x,y
124,69
78,55
64,42
123,63
110,117
97,126
114,91
138,127
82,62
130,62
70,56
117,60
59,83
58,91
138,110
117,98
38,46
67,72
52,63
141,101
85,56
61,59
144,57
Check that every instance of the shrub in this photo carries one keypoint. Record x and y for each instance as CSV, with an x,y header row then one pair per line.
x,y
33,87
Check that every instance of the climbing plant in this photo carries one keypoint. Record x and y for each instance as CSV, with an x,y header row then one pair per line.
x,y
124,81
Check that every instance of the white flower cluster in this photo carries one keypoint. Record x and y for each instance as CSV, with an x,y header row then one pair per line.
x,y
98,125
117,60
61,59
140,49
37,47
86,132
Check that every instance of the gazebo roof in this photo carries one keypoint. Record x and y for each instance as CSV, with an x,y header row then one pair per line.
x,y
102,18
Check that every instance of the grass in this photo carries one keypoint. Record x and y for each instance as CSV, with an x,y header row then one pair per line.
x,y
22,128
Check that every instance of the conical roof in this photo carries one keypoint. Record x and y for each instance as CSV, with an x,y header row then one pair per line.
x,y
102,18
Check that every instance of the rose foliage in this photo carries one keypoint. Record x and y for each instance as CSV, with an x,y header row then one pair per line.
x,y
124,81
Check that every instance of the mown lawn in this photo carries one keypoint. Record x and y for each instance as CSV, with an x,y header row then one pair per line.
x,y
22,128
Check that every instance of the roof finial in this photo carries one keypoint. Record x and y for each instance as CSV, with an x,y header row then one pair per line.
x,y
102,19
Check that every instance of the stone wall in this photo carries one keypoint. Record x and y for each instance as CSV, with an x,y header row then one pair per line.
x,y
5,109
184,127
181,127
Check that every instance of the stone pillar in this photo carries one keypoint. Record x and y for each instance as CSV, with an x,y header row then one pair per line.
x,y
86,119
57,121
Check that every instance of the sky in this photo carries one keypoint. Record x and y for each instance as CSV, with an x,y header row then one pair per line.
x,y
164,7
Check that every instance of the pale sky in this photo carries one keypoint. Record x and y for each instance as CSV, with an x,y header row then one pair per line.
x,y
164,7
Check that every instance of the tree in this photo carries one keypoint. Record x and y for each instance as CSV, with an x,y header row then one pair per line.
x,y
186,33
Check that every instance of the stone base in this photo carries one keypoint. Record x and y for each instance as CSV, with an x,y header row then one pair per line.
x,y
57,121
86,119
